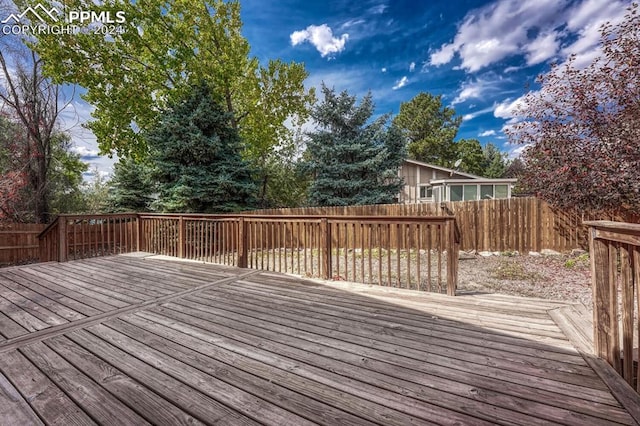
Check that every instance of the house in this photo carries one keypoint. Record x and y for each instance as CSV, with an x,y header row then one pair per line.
x,y
426,183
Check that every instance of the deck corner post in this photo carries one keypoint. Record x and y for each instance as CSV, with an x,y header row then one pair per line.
x,y
325,247
452,258
242,243
62,239
602,339
181,238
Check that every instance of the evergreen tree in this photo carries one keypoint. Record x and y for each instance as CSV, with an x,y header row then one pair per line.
x,y
352,162
495,161
430,129
196,155
471,154
130,188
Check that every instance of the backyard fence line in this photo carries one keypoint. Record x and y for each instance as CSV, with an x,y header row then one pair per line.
x,y
19,242
515,224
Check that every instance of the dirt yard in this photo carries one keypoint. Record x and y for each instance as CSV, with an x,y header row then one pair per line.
x,y
559,277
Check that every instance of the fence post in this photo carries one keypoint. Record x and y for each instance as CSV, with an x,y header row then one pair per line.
x,y
242,243
62,239
325,247
604,320
181,239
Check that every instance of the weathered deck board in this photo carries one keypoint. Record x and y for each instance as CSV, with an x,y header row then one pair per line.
x,y
134,340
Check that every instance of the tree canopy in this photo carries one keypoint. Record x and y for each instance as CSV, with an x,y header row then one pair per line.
x,y
581,127
196,158
352,162
163,48
130,188
430,129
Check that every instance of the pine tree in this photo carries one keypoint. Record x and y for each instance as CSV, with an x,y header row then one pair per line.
x,y
352,162
197,162
130,188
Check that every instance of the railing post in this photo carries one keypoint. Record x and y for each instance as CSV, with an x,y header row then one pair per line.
x,y
138,233
452,258
605,323
62,239
181,238
242,243
325,247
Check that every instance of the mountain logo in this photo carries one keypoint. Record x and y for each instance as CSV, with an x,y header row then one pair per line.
x,y
38,11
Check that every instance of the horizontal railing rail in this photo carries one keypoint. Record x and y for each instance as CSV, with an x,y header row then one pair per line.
x,y
615,267
418,253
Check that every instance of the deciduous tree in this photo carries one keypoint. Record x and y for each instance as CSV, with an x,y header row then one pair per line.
x,y
581,127
34,104
152,59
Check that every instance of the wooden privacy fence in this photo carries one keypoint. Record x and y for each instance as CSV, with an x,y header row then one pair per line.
x,y
19,242
615,272
408,252
522,224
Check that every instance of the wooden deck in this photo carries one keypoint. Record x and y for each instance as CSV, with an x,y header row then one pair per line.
x,y
137,340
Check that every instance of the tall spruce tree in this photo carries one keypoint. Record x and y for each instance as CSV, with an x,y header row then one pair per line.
x,y
130,188
352,162
196,155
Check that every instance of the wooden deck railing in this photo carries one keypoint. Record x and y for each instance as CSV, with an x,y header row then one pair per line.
x,y
615,267
409,252
72,237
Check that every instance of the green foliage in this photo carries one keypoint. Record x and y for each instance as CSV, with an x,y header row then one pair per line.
x,y
352,162
130,188
96,193
166,47
197,162
495,162
430,129
470,152
64,178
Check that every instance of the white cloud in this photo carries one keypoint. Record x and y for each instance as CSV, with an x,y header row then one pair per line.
x,y
509,28
469,91
412,67
401,83
383,70
507,109
322,38
487,133
474,114
544,47
477,89
84,151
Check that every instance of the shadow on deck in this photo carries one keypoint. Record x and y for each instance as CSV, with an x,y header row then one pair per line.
x,y
133,340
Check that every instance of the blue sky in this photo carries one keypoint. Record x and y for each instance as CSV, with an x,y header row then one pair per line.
x,y
481,56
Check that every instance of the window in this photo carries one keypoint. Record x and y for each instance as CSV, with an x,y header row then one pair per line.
x,y
502,191
455,193
486,192
470,192
426,192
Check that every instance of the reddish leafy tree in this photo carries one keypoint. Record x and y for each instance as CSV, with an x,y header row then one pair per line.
x,y
32,102
582,127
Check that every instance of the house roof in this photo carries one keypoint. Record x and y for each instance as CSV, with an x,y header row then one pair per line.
x,y
444,169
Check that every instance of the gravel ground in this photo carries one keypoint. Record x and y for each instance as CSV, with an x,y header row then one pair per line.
x,y
558,277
